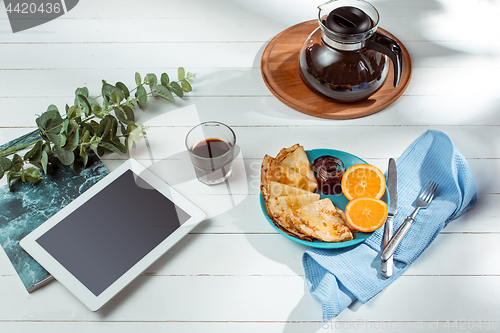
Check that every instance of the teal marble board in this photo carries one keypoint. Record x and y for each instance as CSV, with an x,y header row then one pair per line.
x,y
28,205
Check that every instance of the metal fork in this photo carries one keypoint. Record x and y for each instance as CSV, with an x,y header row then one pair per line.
x,y
423,200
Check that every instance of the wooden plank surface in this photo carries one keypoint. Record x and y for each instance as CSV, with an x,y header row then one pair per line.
x,y
256,298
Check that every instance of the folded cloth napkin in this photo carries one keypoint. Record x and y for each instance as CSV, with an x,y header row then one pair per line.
x,y
338,277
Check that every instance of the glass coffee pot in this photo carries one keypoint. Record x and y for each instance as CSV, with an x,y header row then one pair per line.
x,y
345,58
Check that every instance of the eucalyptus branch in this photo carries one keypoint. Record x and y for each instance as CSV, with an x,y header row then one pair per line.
x,y
105,128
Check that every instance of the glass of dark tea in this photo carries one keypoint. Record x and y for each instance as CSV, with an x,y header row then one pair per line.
x,y
211,148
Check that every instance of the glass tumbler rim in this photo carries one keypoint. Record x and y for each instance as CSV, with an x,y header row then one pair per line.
x,y
218,123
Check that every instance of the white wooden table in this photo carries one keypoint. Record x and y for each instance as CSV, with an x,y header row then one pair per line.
x,y
235,273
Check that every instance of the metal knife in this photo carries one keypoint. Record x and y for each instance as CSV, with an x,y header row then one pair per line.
x,y
386,267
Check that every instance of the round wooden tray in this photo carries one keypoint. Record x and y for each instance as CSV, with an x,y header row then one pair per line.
x,y
280,70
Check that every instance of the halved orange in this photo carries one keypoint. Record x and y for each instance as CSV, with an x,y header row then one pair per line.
x,y
363,181
366,214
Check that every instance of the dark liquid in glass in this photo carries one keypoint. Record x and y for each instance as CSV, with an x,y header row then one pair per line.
x,y
211,148
212,160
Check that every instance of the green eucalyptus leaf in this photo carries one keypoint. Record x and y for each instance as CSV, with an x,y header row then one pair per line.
x,y
31,175
108,90
84,155
152,80
52,107
72,141
181,73
54,159
142,95
95,126
138,80
9,179
176,88
105,104
137,132
46,147
82,91
5,164
65,156
131,126
89,128
55,138
116,98
71,112
119,145
98,111
92,101
84,104
123,88
86,135
63,139
76,168
94,142
114,126
164,93
50,121
65,125
42,134
72,127
102,126
44,161
164,80
35,153
50,169
186,86
109,128
110,147
124,114
123,129
37,164
101,151
17,162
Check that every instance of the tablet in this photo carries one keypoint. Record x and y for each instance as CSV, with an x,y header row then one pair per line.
x,y
111,233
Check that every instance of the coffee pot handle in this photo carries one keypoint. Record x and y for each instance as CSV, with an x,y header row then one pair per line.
x,y
390,48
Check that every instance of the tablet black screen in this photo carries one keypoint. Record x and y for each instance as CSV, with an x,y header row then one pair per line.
x,y
112,231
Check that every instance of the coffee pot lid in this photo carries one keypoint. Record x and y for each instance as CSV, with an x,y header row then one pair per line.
x,y
348,20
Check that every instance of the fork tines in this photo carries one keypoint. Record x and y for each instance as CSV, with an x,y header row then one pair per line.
x,y
429,192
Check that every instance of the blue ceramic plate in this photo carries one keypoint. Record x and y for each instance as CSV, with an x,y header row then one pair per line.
x,y
339,201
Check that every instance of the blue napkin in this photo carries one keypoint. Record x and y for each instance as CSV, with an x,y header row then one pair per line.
x,y
338,277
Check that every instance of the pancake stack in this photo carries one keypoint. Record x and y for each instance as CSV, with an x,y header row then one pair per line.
x,y
287,186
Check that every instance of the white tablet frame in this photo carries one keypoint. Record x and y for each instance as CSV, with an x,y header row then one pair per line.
x,y
61,274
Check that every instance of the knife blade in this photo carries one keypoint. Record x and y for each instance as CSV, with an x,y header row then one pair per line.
x,y
386,267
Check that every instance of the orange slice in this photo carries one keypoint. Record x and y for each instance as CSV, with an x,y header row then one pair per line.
x,y
366,214
363,181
